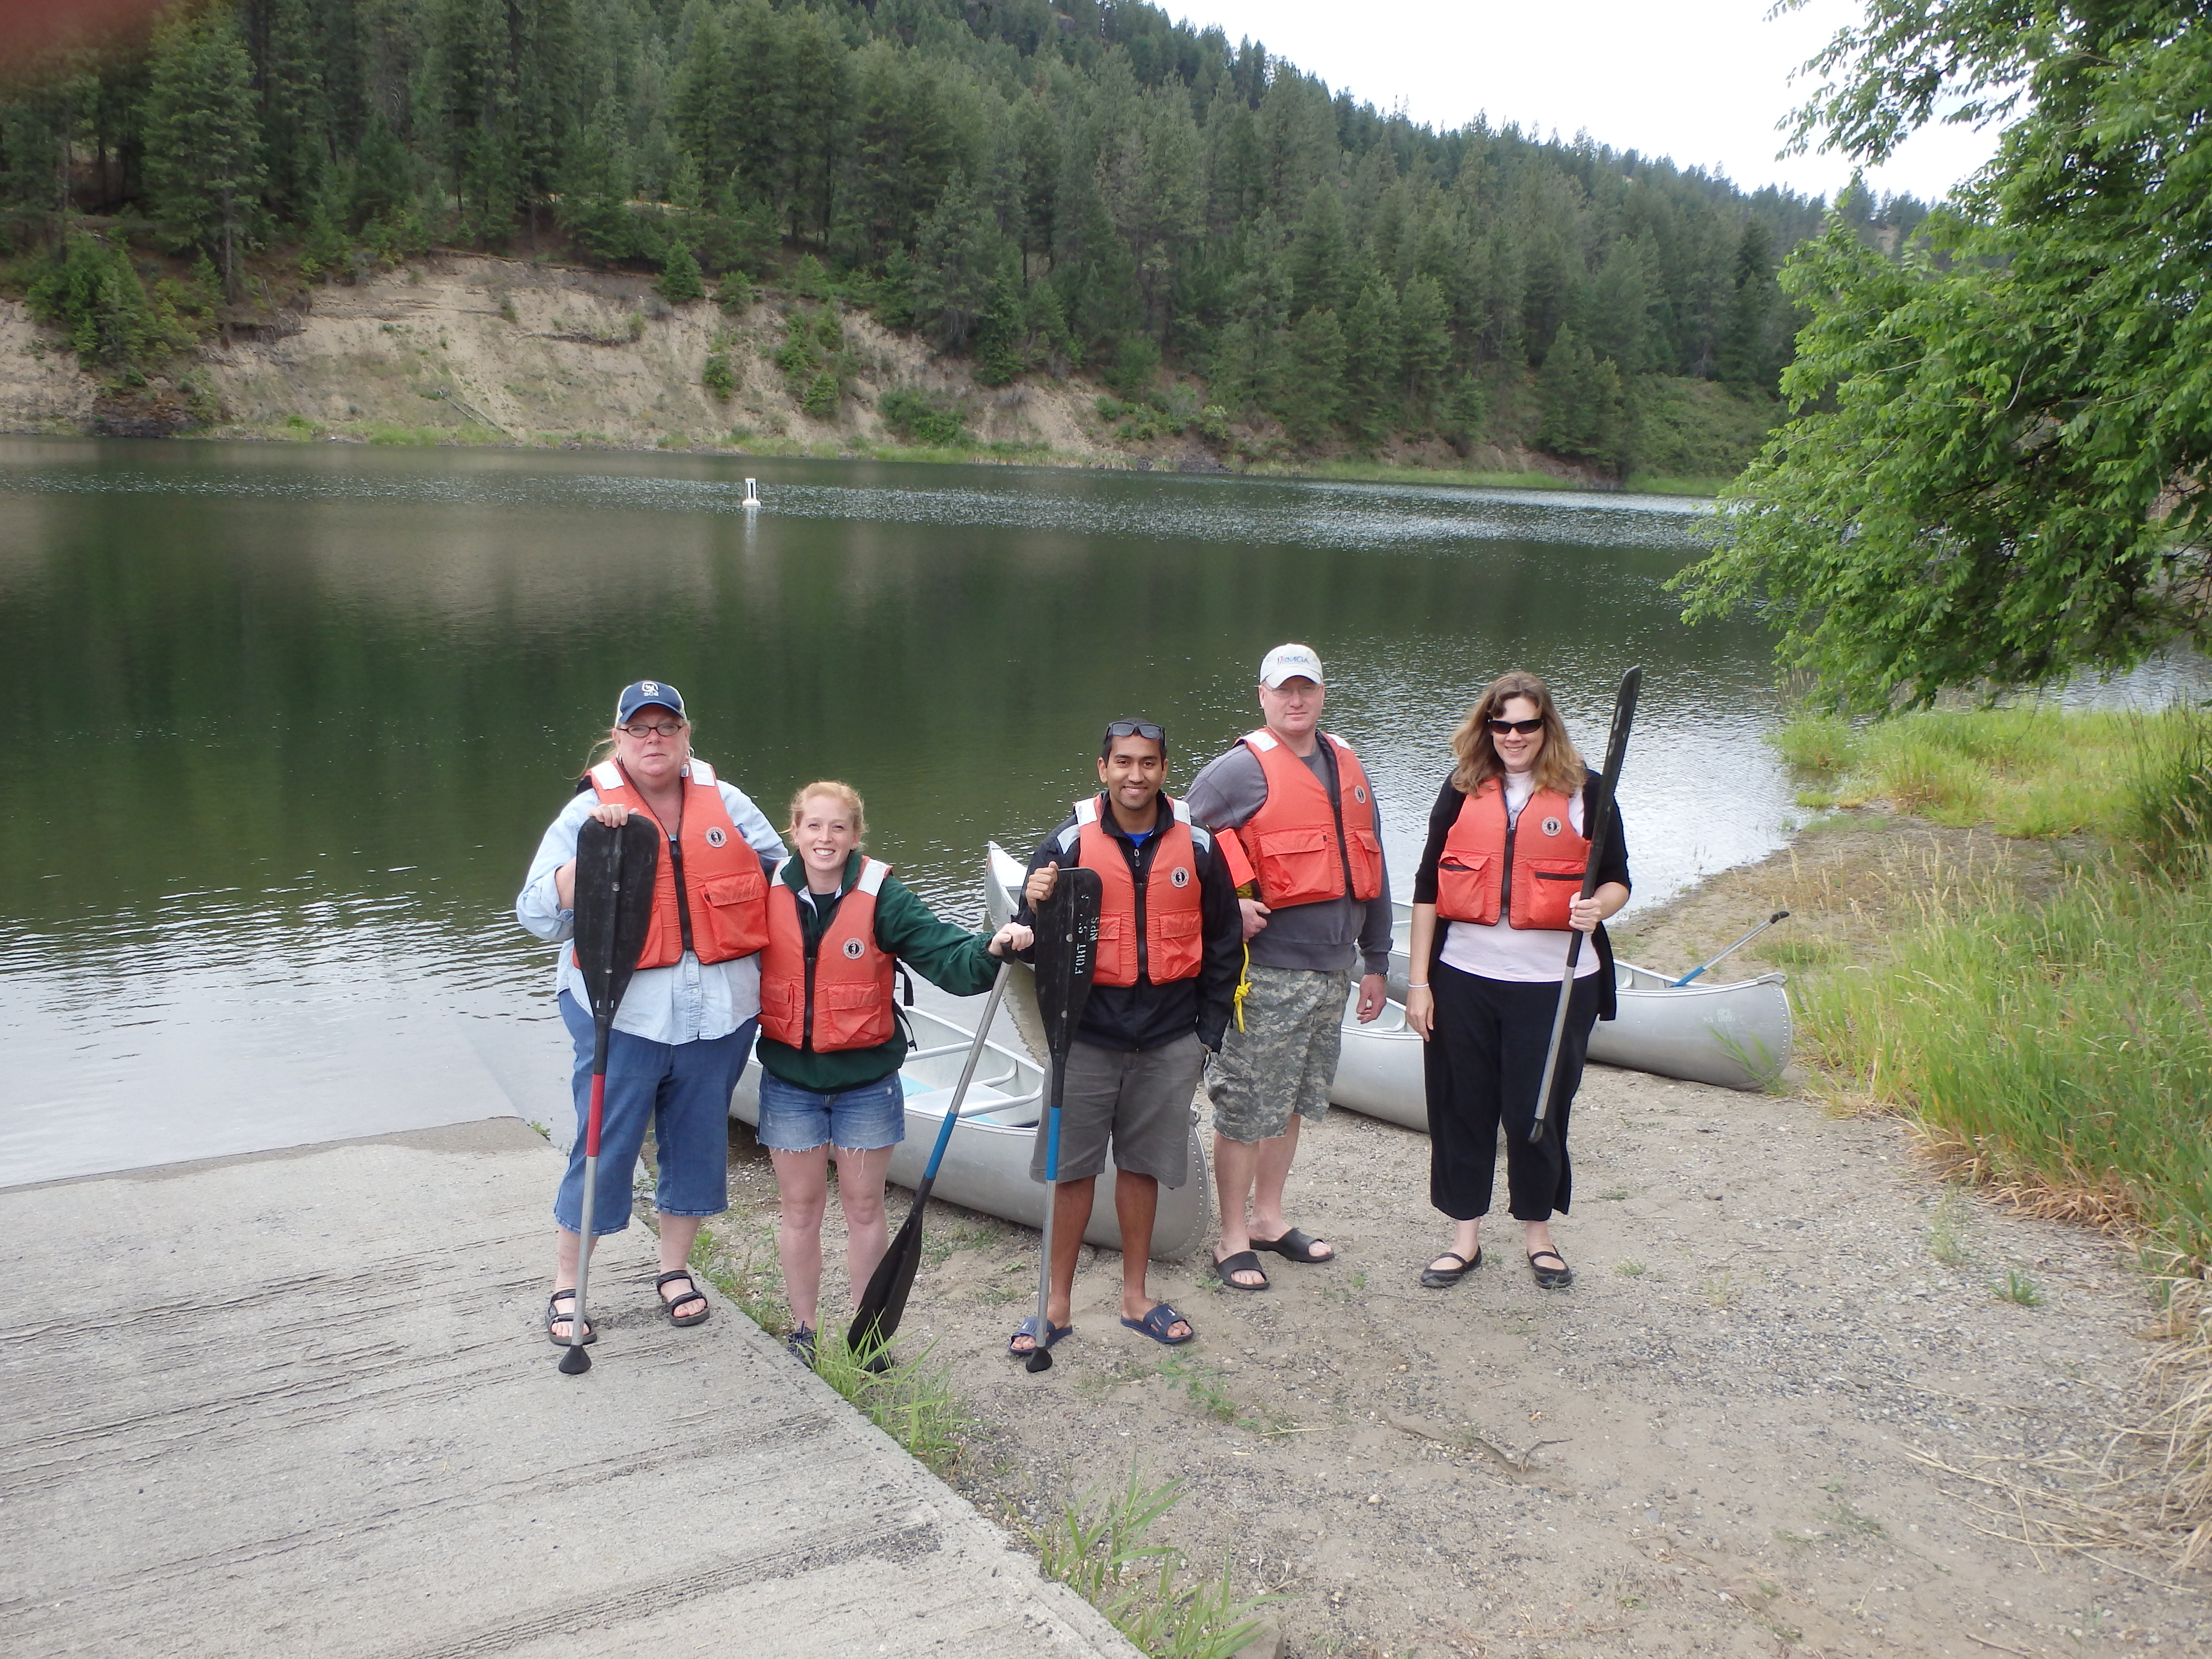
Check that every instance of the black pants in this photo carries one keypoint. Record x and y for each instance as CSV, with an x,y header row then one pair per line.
x,y
1483,1064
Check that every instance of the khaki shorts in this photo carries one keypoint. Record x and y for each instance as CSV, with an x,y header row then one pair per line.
x,y
1138,1098
1285,1059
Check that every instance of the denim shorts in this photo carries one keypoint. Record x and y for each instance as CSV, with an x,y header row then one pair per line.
x,y
682,1089
796,1119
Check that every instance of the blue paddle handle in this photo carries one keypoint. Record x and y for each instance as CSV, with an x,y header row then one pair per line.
x,y
1687,978
968,1071
1052,1141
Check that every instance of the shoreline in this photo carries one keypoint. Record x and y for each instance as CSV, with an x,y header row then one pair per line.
x,y
1497,1468
999,454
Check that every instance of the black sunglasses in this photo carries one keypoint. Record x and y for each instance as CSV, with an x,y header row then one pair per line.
x,y
1524,727
1144,729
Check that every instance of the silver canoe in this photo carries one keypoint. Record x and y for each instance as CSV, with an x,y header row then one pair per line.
x,y
1737,1035
986,1163
1378,1072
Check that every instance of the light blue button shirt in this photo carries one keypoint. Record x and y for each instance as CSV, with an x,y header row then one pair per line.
x,y
689,1001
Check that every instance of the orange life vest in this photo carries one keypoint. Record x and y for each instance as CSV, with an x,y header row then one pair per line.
x,y
1531,869
1158,933
1301,847
842,996
725,895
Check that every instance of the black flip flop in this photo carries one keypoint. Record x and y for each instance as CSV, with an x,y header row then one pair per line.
x,y
554,1317
669,1306
1440,1278
1552,1278
1242,1262
1299,1245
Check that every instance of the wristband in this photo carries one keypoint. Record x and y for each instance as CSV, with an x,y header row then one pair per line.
x,y
1423,986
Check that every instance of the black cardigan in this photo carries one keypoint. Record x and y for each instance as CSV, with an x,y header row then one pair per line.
x,y
1613,866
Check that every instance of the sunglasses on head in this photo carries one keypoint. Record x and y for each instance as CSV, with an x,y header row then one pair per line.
x,y
1526,728
1144,729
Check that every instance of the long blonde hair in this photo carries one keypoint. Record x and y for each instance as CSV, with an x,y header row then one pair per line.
x,y
1559,764
843,794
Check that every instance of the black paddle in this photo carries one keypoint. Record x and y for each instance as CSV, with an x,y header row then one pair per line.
x,y
1598,814
1066,952
884,1303
615,870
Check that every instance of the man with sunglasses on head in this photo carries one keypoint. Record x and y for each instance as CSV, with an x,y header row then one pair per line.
x,y
1296,820
1169,938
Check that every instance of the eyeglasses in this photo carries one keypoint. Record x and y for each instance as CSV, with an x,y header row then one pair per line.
x,y
665,729
1144,729
1526,728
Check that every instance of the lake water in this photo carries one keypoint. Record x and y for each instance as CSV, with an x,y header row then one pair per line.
x,y
289,720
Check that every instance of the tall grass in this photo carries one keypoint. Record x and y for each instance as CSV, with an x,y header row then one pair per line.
x,y
2063,1048
2034,771
1101,1546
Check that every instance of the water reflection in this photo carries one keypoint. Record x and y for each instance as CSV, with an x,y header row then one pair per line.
x,y
290,718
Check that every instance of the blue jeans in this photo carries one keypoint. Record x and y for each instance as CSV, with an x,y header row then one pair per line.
x,y
683,1089
796,1119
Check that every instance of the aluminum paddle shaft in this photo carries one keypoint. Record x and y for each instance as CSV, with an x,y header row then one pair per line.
x,y
1598,815
884,1303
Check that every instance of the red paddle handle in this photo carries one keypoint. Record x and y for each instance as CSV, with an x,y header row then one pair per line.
x,y
592,1123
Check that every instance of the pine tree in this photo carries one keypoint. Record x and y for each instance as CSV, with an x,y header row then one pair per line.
x,y
204,139
679,275
1373,367
1320,255
1425,346
1311,401
1746,358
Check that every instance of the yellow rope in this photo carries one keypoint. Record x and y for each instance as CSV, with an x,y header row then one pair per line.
x,y
1244,985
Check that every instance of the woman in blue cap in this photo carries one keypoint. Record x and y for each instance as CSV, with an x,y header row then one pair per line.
x,y
686,1023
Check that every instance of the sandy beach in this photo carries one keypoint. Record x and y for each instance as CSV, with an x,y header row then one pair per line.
x,y
1746,1428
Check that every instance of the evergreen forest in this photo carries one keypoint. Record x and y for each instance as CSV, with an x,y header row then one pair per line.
x,y
1039,186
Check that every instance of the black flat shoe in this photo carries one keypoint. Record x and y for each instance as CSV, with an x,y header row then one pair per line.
x,y
1442,1278
1552,1278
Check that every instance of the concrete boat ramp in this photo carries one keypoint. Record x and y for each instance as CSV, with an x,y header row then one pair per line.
x,y
300,1401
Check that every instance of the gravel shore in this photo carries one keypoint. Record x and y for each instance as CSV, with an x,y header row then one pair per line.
x,y
1729,1437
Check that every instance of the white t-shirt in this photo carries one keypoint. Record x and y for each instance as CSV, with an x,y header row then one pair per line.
x,y
1501,950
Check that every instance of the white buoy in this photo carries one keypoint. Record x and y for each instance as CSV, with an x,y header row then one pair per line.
x,y
752,492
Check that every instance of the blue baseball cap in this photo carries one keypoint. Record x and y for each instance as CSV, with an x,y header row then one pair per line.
x,y
645,694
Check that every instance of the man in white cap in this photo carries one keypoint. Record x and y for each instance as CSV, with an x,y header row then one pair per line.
x,y
1296,823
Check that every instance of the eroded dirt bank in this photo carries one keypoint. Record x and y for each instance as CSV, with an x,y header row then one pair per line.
x,y
480,349
1727,1437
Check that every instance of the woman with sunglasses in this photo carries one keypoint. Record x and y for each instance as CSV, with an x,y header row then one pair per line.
x,y
1503,872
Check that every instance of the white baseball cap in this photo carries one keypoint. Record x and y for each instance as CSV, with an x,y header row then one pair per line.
x,y
1289,662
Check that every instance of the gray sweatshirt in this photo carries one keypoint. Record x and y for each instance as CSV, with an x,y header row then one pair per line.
x,y
1318,937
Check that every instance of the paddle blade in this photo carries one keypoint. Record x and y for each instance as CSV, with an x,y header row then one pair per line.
x,y
574,1361
615,870
1066,954
1039,1361
883,1304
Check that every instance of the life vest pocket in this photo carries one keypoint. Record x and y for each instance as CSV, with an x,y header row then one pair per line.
x,y
732,920
1366,849
848,1015
1299,865
1544,903
1116,961
1177,948
1466,888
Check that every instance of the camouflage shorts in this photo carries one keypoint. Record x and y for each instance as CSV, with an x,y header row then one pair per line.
x,y
1285,1059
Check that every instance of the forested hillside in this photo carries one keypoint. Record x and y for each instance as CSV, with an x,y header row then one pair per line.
x,y
1040,188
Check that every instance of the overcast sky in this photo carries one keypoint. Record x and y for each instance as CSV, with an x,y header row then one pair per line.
x,y
1702,81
